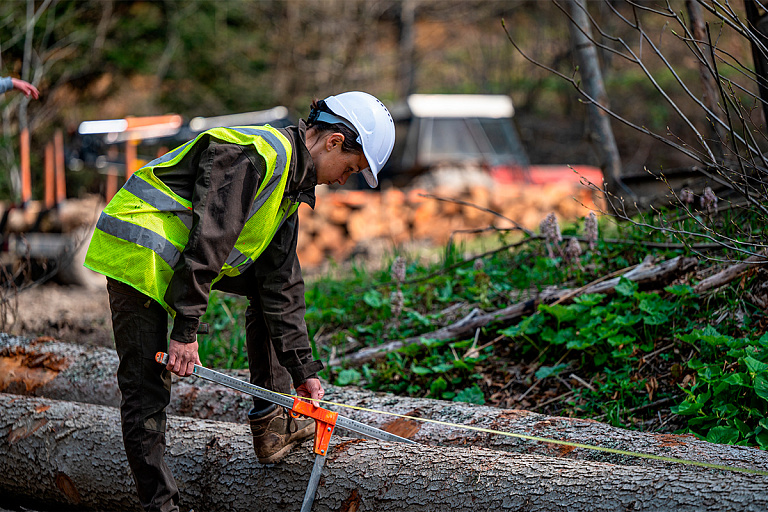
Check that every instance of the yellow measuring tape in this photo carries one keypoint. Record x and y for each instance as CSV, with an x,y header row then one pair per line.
x,y
548,440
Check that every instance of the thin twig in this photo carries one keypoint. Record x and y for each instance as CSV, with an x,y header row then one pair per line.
x,y
478,207
642,407
538,381
582,382
714,246
647,358
474,352
577,291
542,404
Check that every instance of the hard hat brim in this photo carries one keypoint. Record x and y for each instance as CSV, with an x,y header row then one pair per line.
x,y
370,178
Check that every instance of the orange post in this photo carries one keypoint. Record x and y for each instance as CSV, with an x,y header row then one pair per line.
x,y
50,199
130,157
26,176
61,183
111,187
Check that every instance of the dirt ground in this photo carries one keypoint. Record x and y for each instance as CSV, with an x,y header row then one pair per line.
x,y
69,313
80,314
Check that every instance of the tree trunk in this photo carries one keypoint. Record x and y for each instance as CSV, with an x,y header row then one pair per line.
x,y
69,372
601,134
71,454
710,95
645,274
63,371
406,53
758,25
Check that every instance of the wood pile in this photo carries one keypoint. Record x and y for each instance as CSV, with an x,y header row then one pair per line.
x,y
345,221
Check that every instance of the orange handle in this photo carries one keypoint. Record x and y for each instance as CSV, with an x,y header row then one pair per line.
x,y
325,421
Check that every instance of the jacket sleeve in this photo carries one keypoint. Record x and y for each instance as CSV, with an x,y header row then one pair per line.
x,y
281,292
225,185
6,84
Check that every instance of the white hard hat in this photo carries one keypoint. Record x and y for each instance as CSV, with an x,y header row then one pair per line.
x,y
373,124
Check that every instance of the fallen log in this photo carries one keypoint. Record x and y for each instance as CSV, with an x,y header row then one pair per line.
x,y
87,374
644,274
70,454
730,273
63,371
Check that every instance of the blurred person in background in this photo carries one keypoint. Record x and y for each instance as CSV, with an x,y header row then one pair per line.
x,y
7,83
220,212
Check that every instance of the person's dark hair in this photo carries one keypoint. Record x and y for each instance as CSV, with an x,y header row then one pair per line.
x,y
350,137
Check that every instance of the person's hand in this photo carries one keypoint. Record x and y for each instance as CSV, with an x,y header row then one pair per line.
x,y
182,358
311,388
25,87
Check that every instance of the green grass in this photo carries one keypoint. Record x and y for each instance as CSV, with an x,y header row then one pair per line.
x,y
224,347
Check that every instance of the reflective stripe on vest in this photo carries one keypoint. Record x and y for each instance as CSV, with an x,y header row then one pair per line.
x,y
240,260
140,236
142,232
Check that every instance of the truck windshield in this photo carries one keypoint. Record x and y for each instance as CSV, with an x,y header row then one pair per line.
x,y
461,139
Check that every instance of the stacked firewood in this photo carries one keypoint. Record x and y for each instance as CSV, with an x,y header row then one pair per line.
x,y
345,221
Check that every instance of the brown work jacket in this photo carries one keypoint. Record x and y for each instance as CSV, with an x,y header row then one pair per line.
x,y
221,180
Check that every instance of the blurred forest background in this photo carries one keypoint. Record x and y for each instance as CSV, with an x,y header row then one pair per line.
x,y
103,59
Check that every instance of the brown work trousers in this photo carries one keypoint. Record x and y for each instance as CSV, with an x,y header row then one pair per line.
x,y
140,326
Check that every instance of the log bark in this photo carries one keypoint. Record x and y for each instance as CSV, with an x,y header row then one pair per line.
x,y
70,454
62,371
646,274
71,372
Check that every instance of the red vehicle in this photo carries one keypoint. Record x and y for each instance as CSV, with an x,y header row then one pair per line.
x,y
465,138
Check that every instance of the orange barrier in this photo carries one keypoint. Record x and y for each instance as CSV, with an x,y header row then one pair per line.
x,y
61,183
26,176
50,196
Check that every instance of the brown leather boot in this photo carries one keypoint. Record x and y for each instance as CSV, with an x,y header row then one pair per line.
x,y
275,432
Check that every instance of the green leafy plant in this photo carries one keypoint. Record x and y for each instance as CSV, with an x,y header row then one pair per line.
x,y
224,346
435,372
606,337
728,399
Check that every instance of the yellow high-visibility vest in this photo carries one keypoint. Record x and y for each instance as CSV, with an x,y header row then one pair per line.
x,y
141,233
